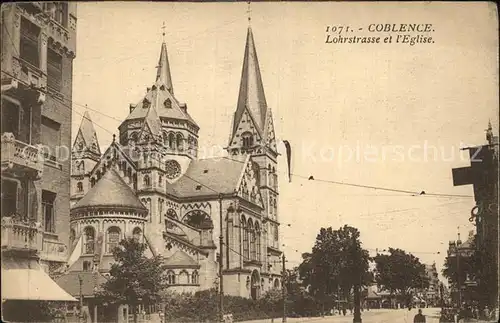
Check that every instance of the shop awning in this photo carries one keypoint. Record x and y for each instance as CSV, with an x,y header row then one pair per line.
x,y
22,280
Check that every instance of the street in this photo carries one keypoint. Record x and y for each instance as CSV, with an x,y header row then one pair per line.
x,y
372,316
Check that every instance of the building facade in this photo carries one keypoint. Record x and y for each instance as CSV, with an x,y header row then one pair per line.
x,y
38,48
151,184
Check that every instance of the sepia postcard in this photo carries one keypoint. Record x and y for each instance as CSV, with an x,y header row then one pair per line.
x,y
233,161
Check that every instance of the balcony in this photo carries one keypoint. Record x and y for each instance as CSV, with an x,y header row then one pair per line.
x,y
18,156
52,249
18,235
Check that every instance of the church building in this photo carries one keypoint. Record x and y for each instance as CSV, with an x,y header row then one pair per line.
x,y
150,184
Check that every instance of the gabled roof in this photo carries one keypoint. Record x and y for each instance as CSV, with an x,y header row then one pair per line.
x,y
180,259
157,96
111,191
88,134
208,177
251,96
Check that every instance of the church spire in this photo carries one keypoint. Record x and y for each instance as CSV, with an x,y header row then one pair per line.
x,y
251,96
163,69
86,138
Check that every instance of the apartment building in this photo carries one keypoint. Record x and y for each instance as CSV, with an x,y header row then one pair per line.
x,y
38,49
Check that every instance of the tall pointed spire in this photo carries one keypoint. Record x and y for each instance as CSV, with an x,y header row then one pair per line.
x,y
251,95
86,138
163,69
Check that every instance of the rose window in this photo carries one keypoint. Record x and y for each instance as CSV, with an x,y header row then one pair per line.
x,y
172,169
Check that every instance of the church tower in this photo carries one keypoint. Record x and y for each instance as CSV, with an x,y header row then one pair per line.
x,y
163,137
252,132
85,155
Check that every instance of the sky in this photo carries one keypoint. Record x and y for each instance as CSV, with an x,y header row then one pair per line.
x,y
346,109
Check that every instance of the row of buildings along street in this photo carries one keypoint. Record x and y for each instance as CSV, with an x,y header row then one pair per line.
x,y
147,230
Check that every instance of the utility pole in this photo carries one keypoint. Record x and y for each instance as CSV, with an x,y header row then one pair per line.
x,y
221,280
80,280
357,285
283,291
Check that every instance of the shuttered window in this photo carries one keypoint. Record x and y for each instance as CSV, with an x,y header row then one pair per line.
x,y
29,47
54,70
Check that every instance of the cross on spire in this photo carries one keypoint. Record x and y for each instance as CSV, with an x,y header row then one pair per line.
x,y
163,28
249,11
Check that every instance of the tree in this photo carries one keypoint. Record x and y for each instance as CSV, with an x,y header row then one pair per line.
x,y
134,278
400,272
337,263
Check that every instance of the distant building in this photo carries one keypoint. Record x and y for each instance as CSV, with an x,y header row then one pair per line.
x,y
38,48
431,294
462,250
151,184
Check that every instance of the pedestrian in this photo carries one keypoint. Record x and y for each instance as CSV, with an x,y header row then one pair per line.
x,y
160,313
419,318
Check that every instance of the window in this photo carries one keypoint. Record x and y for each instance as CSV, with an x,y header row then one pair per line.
x,y
171,141
54,70
276,233
29,47
10,118
48,200
180,142
183,277
247,139
257,242
245,239
9,198
171,278
251,231
160,181
147,181
137,234
79,187
113,238
160,208
86,266
168,104
194,278
89,233
72,237
50,136
61,13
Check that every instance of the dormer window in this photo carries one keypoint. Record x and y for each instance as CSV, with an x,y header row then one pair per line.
x,y
168,104
247,138
162,87
145,103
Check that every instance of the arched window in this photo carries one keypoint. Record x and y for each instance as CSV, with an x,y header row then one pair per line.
x,y
137,233
147,181
135,181
146,159
79,187
172,214
257,242
183,277
168,104
180,142
194,278
113,238
72,236
160,208
165,138
245,238
171,278
198,219
171,141
133,137
82,166
160,181
87,266
89,240
247,138
92,182
251,232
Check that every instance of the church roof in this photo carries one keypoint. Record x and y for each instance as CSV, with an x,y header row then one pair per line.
x,y
88,133
251,95
111,191
208,177
180,259
160,96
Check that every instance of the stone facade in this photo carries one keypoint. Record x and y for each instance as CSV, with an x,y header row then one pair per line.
x,y
190,202
38,48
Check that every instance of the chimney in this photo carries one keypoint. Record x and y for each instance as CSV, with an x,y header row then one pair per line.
x,y
131,107
183,106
